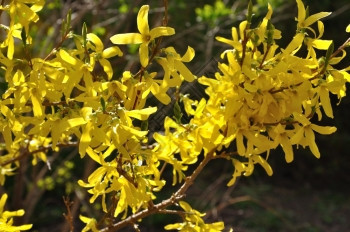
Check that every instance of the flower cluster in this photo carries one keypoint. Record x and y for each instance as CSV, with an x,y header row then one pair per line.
x,y
262,97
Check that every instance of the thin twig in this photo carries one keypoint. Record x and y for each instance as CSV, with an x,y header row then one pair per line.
x,y
26,152
68,216
177,196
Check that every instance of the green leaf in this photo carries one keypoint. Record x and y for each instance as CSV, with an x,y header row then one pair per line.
x,y
177,112
24,36
103,104
84,34
328,56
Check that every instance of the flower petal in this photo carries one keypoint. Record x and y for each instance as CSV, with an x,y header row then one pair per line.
x,y
111,51
326,102
144,54
324,130
347,28
161,31
96,41
295,43
107,67
287,148
315,17
301,11
321,44
142,20
188,55
127,38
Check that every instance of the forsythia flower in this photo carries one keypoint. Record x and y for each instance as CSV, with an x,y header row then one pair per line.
x,y
91,224
6,218
194,222
144,37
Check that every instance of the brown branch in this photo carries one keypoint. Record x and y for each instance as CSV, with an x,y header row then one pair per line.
x,y
26,152
68,216
169,211
1,4
160,207
244,46
340,48
57,47
227,203
122,172
265,55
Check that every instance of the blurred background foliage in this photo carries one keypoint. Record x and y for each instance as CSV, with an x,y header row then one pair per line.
x,y
306,195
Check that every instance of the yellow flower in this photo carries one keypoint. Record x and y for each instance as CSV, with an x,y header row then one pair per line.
x,y
102,54
305,22
305,133
6,218
14,31
193,221
144,37
90,223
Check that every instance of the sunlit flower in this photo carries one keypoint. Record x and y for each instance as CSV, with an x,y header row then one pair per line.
x,y
144,37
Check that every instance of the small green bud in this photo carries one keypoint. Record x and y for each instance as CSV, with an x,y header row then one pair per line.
x,y
84,34
24,36
103,104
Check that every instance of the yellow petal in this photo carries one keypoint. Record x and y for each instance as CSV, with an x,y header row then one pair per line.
x,y
326,102
315,17
321,44
73,122
287,148
320,26
85,139
161,31
163,98
184,71
7,135
133,131
298,136
176,226
295,43
200,107
37,107
111,51
143,51
127,38
188,55
324,130
310,137
234,34
185,206
269,12
301,11
263,163
107,67
142,114
96,41
242,27
38,5
26,14
67,58
301,118
347,28
142,20
121,203
188,103
240,144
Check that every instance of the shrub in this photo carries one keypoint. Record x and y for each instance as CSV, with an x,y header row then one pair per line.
x,y
262,97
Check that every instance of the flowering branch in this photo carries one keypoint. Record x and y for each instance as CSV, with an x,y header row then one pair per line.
x,y
160,207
